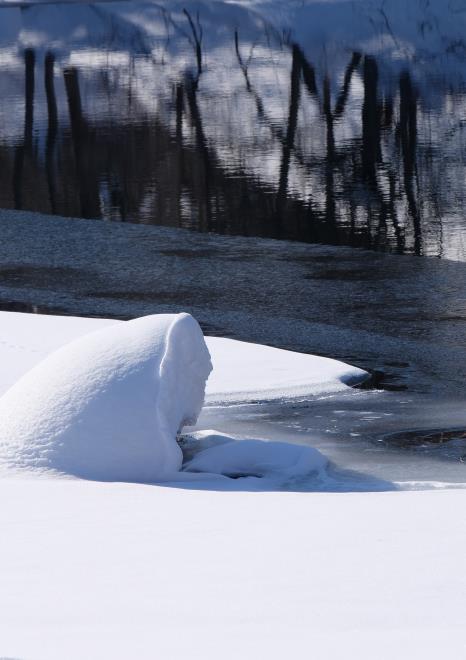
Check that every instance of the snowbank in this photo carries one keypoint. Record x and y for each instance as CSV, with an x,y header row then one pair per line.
x,y
242,371
118,571
190,573
108,403
108,406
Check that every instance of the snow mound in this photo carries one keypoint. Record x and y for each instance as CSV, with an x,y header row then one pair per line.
x,y
108,406
275,462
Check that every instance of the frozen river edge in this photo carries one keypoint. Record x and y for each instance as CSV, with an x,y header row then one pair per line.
x,y
104,400
117,570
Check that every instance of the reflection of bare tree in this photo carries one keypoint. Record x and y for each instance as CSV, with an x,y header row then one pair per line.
x,y
30,61
52,128
330,160
290,135
244,66
302,69
343,97
205,173
167,169
25,149
370,123
87,181
196,39
309,80
408,134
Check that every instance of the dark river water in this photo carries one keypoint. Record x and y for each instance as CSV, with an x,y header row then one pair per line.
x,y
341,123
337,128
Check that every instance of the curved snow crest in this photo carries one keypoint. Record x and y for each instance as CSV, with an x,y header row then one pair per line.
x,y
108,406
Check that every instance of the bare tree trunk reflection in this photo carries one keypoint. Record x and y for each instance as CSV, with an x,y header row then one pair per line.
x,y
330,207
179,105
52,128
196,41
408,134
343,96
88,187
261,113
26,146
290,136
370,122
309,75
203,193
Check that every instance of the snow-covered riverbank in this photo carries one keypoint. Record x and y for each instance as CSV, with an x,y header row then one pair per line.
x,y
108,404
117,570
242,371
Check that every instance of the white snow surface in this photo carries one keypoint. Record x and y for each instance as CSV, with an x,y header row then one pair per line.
x,y
241,371
109,405
110,570
244,371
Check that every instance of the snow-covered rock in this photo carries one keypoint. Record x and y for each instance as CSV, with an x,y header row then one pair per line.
x,y
255,458
109,405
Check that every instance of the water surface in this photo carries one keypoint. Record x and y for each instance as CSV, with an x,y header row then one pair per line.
x,y
340,123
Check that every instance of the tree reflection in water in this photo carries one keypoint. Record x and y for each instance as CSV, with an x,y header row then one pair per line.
x,y
344,166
